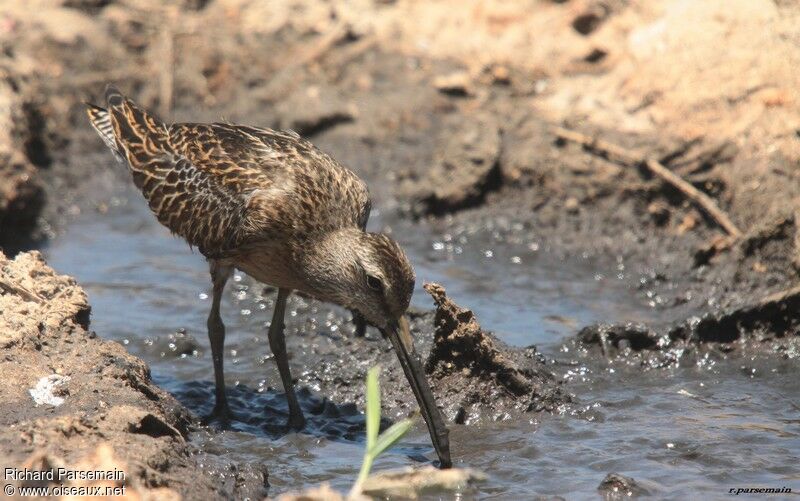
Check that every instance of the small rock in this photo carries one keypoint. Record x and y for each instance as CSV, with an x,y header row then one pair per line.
x,y
501,75
572,205
616,486
455,84
50,390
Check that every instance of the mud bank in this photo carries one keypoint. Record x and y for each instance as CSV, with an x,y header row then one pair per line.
x,y
448,111
768,326
72,400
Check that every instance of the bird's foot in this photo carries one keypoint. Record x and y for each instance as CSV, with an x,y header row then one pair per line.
x,y
296,422
221,414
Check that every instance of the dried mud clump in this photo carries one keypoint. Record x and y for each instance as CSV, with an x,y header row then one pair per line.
x,y
619,336
69,399
466,168
21,192
461,350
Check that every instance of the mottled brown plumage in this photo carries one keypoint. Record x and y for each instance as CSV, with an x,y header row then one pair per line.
x,y
273,205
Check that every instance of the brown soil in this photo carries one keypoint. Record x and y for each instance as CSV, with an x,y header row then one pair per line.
x,y
112,415
498,377
21,192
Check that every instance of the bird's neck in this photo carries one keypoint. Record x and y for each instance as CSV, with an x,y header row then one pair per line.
x,y
329,264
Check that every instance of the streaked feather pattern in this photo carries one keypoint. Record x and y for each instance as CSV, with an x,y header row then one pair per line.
x,y
224,186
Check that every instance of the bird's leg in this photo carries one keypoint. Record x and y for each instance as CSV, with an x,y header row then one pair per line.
x,y
277,343
360,324
216,337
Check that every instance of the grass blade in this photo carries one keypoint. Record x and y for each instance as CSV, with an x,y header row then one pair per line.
x,y
373,406
389,437
377,444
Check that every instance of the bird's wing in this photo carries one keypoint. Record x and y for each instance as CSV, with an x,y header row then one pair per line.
x,y
221,185
238,190
292,180
183,191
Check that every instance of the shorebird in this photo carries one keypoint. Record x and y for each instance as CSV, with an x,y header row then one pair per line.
x,y
272,205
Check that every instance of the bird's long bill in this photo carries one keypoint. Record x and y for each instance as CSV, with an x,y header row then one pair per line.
x,y
400,337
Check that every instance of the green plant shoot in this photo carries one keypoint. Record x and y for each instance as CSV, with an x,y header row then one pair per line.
x,y
377,444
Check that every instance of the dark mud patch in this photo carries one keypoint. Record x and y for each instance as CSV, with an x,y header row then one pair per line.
x,y
309,111
465,169
475,377
70,399
768,326
264,412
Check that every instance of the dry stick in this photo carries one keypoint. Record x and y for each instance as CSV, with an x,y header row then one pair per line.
x,y
780,296
323,45
284,78
698,197
20,291
167,80
354,51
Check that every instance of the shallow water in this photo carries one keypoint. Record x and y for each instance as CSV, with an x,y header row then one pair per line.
x,y
690,432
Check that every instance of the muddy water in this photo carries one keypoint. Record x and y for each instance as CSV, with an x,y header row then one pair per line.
x,y
693,432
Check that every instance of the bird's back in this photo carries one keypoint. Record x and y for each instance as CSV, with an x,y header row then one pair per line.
x,y
222,186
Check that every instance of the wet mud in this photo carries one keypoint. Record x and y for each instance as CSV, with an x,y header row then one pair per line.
x,y
768,327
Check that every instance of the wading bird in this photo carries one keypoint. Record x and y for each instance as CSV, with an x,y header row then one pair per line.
x,y
272,205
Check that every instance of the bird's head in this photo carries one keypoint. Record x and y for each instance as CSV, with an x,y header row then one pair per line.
x,y
382,280
370,273
365,272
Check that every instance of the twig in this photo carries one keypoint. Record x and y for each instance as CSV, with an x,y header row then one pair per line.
x,y
698,197
356,49
20,291
166,83
286,77
323,45
167,80
780,296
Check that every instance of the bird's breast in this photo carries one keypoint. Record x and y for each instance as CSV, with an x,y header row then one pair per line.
x,y
269,264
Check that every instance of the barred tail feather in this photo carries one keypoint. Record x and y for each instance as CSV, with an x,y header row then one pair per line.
x,y
101,121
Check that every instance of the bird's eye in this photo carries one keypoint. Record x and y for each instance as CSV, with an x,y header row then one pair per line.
x,y
374,283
